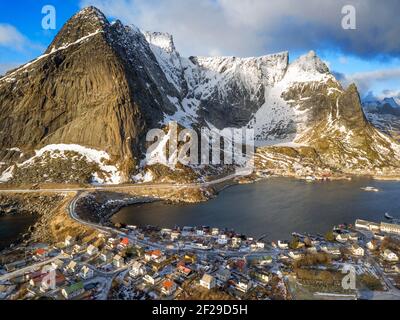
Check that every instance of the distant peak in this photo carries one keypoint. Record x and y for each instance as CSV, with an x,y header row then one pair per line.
x,y
371,99
392,102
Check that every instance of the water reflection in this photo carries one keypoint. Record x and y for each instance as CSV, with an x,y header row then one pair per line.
x,y
276,207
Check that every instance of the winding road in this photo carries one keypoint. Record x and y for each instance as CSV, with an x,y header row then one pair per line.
x,y
129,186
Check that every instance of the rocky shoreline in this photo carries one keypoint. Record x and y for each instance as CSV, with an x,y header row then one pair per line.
x,y
38,206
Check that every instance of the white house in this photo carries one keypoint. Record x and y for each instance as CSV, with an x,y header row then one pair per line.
x,y
295,256
343,237
207,281
222,240
200,232
112,243
362,224
118,261
92,250
372,245
175,235
137,269
283,244
86,273
77,248
260,245
366,225
165,231
390,256
150,278
331,250
390,228
357,250
243,285
69,241
312,250
71,267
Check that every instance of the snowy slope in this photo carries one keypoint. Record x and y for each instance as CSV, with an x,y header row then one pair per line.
x,y
238,92
383,114
292,105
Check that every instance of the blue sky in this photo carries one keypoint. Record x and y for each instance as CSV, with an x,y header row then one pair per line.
x,y
368,55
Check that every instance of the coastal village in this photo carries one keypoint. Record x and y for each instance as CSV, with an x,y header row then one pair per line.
x,y
128,262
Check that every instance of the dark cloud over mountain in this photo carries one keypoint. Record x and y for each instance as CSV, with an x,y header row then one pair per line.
x,y
240,27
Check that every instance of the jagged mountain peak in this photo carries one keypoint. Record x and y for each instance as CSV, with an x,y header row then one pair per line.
x,y
373,103
103,85
310,63
392,102
91,12
86,22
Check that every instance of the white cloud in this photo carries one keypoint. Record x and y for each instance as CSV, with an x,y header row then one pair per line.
x,y
254,27
366,80
10,37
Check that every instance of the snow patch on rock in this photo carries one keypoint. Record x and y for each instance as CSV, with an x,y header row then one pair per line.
x,y
91,155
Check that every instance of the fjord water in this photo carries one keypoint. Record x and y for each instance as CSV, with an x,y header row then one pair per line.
x,y
12,227
276,207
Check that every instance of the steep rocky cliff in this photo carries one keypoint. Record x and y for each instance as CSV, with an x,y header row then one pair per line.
x,y
81,111
97,85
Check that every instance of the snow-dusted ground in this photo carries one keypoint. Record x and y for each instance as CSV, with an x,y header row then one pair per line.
x,y
58,151
7,174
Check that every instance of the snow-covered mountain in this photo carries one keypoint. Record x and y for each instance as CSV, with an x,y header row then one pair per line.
x,y
383,114
290,105
101,86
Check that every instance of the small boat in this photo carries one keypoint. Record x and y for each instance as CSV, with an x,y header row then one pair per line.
x,y
370,189
388,216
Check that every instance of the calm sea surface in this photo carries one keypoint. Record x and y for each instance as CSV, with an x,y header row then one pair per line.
x,y
276,207
11,227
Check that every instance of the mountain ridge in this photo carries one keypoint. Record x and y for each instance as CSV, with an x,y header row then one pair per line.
x,y
103,85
